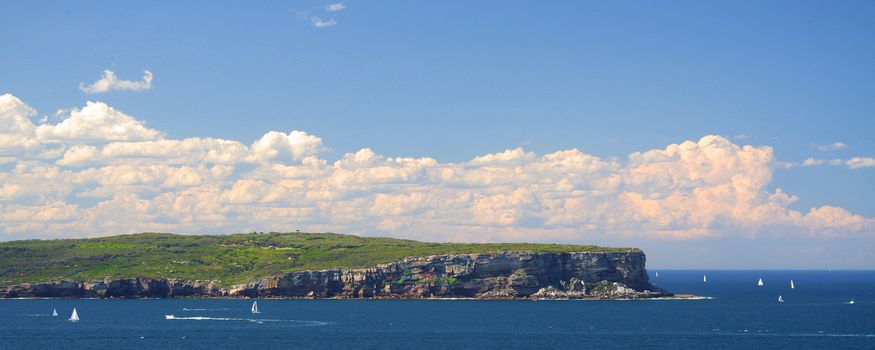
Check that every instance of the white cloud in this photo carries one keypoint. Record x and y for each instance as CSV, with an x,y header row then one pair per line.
x,y
109,82
335,7
322,23
330,11
514,156
853,163
101,171
16,129
97,122
185,151
835,146
277,146
812,162
860,162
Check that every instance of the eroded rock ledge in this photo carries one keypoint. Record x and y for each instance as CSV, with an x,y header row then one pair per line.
x,y
504,275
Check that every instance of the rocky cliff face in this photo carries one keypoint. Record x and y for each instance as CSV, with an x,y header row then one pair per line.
x,y
506,275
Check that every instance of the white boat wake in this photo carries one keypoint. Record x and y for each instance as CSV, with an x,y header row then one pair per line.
x,y
298,323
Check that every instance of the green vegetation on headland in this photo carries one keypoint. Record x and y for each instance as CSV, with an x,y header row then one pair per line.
x,y
231,259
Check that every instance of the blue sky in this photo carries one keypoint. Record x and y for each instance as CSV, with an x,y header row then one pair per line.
x,y
457,80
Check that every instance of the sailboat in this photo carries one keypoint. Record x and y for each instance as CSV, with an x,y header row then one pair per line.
x,y
780,299
792,286
760,282
75,316
255,307
704,279
54,312
657,273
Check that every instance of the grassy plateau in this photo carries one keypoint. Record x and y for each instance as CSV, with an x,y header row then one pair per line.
x,y
231,259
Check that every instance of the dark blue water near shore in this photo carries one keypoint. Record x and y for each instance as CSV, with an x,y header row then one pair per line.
x,y
816,315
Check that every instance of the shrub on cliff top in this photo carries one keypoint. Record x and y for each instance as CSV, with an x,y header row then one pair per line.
x,y
230,259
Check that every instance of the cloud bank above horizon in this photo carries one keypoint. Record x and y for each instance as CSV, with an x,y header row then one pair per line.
x,y
100,171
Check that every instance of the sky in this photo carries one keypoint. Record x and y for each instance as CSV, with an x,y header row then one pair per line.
x,y
720,134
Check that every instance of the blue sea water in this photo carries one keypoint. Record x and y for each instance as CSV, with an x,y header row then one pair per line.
x,y
740,315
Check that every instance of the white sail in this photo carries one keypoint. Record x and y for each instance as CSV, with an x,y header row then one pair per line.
x,y
54,312
760,282
792,286
657,273
704,278
255,307
75,316
780,299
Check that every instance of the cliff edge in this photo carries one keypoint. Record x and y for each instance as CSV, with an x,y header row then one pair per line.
x,y
501,275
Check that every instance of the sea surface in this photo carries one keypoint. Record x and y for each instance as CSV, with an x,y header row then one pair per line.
x,y
815,315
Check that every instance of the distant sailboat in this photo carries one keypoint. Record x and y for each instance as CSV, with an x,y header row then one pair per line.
x,y
75,316
780,299
792,286
704,278
54,312
255,307
760,282
657,273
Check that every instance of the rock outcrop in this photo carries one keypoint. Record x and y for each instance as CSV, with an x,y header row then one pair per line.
x,y
505,275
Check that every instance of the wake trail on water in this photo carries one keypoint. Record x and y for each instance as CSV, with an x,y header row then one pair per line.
x,y
298,323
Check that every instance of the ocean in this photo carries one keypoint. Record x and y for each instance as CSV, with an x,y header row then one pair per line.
x,y
739,315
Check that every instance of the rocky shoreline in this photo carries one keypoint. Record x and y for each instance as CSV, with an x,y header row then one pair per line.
x,y
498,276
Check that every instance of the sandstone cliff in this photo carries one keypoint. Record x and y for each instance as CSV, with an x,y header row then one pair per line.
x,y
505,275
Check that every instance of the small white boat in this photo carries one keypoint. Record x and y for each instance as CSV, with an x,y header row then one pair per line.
x,y
54,312
760,282
657,273
75,316
780,299
255,307
851,302
169,317
792,286
704,279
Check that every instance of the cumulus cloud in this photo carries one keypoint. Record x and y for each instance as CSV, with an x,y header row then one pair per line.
x,y
99,122
185,151
277,146
101,171
16,129
109,82
514,156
